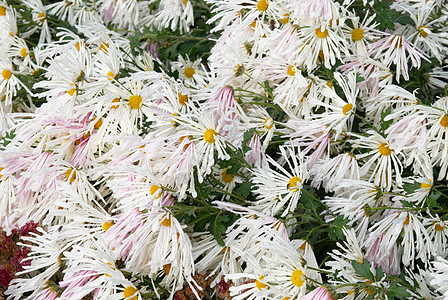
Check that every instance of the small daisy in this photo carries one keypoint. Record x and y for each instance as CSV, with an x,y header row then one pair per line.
x,y
278,188
381,164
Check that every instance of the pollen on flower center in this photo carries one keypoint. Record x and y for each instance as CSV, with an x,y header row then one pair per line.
x,y
6,74
347,108
70,175
108,225
110,75
291,71
321,34
116,100
209,136
444,121
167,268
1,169
285,19
189,72
425,185
357,34
268,123
24,52
260,285
296,278
183,99
292,185
165,221
98,123
226,177
129,291
262,5
2,11
154,189
439,227
422,31
384,149
41,17
135,101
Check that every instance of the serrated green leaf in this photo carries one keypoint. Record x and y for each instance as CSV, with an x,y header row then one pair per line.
x,y
244,189
411,187
363,269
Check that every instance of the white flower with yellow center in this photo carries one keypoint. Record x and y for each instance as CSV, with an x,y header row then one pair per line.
x,y
320,43
339,112
277,189
381,164
206,133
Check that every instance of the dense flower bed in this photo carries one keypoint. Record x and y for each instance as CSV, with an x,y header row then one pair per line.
x,y
223,149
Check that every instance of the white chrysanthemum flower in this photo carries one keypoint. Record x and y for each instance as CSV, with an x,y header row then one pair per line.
x,y
330,172
339,112
382,164
276,189
415,240
320,43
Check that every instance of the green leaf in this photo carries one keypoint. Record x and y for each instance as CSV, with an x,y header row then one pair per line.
x,y
396,291
379,273
411,187
244,189
336,228
387,17
385,124
359,78
363,269
248,134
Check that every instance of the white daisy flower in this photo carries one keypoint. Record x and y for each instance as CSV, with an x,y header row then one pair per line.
x,y
276,189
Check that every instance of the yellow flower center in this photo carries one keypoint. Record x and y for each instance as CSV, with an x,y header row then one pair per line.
x,y
439,227
104,47
154,189
291,71
330,84
116,100
384,149
110,75
41,17
357,34
135,101
167,268
24,52
422,31
285,19
443,120
425,185
71,92
297,279
70,175
268,123
262,5
129,291
6,74
1,169
77,46
98,123
185,2
189,72
166,220
183,99
260,285
108,225
209,136
406,222
2,11
292,185
347,108
321,34
226,177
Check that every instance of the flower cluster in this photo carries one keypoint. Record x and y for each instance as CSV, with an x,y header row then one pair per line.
x,y
224,149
